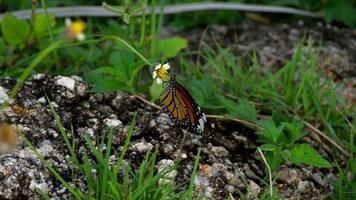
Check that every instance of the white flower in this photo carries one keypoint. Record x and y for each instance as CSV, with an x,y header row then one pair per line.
x,y
161,73
75,29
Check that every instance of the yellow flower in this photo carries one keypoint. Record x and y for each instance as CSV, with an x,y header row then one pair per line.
x,y
161,73
75,29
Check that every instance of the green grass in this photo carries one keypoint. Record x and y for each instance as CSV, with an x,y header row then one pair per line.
x,y
289,97
119,181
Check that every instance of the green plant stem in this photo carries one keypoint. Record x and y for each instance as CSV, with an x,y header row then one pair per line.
x,y
55,54
269,172
130,47
33,11
143,29
126,145
153,30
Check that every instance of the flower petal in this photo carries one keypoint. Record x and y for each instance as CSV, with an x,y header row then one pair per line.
x,y
166,66
158,67
80,36
159,81
68,22
154,74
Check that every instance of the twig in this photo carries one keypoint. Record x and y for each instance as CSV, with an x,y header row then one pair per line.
x,y
318,139
219,117
240,121
323,135
98,11
269,172
146,102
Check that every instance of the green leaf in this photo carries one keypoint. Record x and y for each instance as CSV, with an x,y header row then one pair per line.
x,y
14,31
155,90
99,74
274,158
270,132
2,47
40,25
286,154
108,85
246,110
295,130
279,116
342,10
124,63
170,47
230,105
198,96
268,147
303,153
2,51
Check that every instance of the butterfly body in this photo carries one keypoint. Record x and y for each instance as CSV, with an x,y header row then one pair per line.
x,y
180,105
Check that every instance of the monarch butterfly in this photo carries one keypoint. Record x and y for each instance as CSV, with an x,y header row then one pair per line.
x,y
180,105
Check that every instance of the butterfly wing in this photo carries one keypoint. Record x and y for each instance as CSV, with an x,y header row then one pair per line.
x,y
174,106
180,105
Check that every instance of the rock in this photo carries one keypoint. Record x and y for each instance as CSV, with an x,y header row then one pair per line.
x,y
66,82
201,181
170,176
178,154
43,187
287,175
168,149
232,179
253,190
208,193
113,122
142,147
54,104
317,177
46,148
219,152
231,189
305,188
3,96
38,76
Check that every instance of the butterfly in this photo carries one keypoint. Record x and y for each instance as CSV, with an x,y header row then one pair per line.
x,y
180,105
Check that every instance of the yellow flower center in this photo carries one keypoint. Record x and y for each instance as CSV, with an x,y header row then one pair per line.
x,y
162,73
77,27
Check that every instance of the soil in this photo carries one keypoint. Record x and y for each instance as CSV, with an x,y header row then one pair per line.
x,y
229,162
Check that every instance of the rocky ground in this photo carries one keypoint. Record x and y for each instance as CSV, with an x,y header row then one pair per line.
x,y
229,161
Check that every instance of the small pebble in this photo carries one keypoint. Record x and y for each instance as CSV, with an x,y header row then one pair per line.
x,y
142,147
66,82
219,151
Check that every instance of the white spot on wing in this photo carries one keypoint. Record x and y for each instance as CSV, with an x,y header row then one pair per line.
x,y
201,123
